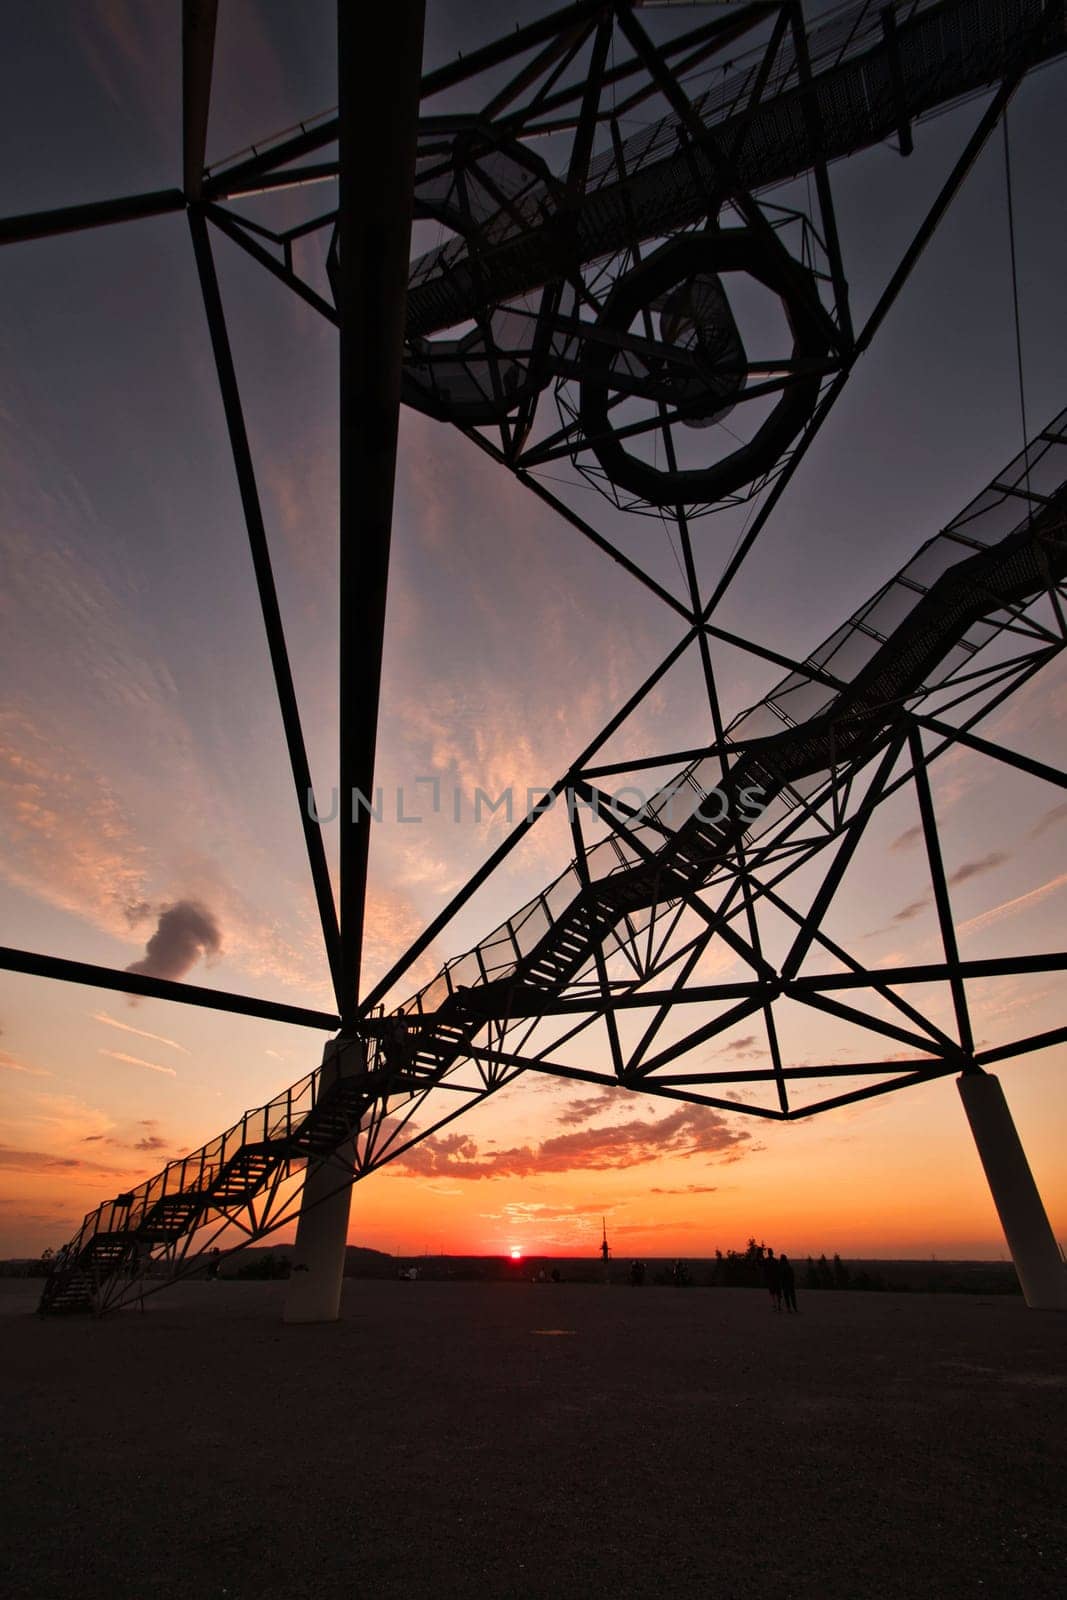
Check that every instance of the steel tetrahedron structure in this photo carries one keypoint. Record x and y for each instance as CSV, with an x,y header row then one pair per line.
x,y
580,315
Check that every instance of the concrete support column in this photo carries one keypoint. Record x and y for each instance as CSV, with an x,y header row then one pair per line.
x,y
1041,1269
314,1292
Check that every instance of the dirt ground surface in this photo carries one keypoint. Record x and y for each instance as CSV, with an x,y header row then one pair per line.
x,y
529,1440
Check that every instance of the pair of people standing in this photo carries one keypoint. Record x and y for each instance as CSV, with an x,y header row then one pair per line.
x,y
780,1279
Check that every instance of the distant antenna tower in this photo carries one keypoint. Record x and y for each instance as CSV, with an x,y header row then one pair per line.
x,y
604,1248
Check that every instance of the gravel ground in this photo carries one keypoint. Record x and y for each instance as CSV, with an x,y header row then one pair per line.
x,y
534,1441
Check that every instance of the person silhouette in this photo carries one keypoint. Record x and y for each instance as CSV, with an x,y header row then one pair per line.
x,y
788,1283
772,1277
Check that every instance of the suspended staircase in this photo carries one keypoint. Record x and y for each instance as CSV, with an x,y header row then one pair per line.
x,y
869,81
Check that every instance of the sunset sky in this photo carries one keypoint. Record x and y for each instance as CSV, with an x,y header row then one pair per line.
x,y
142,763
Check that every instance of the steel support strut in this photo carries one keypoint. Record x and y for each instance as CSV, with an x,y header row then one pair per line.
x,y
378,90
378,93
199,20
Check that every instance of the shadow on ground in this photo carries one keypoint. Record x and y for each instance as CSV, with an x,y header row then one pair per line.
x,y
534,1441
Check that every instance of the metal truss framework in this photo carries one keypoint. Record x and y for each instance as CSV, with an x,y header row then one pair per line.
x,y
579,318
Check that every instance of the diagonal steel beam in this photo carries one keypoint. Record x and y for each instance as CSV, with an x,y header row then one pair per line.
x,y
939,881
268,594
863,977
937,972
841,862
94,214
234,228
706,140
1020,1047
813,119
460,899
969,155
926,1075
556,1069
536,487
582,864
608,809
862,1019
190,994
986,747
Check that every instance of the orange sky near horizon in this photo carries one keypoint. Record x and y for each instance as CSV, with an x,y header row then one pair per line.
x,y
895,1177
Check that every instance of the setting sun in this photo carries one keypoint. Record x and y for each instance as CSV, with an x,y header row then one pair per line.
x,y
516,1253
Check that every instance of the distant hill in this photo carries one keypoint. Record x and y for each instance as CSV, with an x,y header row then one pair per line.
x,y
273,1261
923,1276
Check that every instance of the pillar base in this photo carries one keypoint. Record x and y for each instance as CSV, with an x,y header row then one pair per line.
x,y
1041,1269
317,1276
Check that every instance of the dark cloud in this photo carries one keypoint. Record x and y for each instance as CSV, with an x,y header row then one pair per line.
x,y
586,1109
691,1131
149,1141
912,909
744,1048
186,932
905,840
905,914
690,1188
974,869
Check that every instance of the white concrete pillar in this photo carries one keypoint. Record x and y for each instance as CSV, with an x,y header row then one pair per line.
x,y
1041,1269
314,1292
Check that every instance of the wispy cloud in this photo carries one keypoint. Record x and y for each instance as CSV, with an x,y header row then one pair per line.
x,y
124,45
1009,908
1051,817
392,925
681,1225
142,1033
44,1161
540,1211
59,1121
9,1063
1016,997
690,1188
138,1061
70,842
